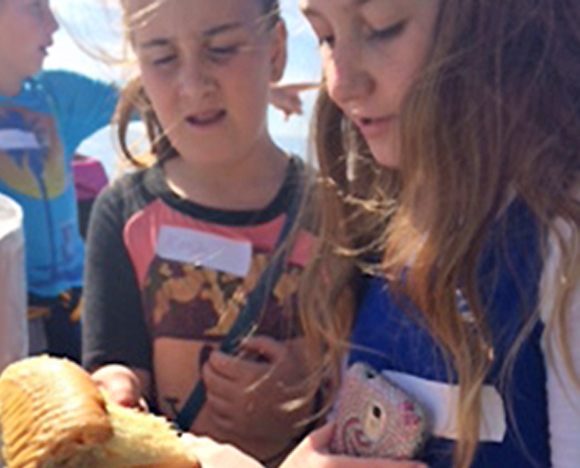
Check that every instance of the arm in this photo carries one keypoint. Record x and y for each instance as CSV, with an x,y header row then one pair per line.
x,y
83,105
563,392
287,97
114,329
122,385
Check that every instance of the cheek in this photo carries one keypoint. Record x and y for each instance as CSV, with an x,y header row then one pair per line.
x,y
30,31
247,84
14,39
159,92
330,74
387,152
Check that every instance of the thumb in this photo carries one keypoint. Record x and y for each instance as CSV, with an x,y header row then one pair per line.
x,y
264,347
319,439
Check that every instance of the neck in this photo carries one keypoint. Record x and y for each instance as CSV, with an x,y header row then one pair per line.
x,y
250,182
9,86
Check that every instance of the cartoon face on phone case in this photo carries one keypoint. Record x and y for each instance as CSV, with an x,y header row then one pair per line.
x,y
375,418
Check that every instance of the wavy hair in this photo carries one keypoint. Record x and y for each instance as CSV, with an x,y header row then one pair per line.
x,y
494,112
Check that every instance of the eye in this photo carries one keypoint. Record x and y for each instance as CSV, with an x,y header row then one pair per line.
x,y
221,54
322,31
37,6
326,41
388,33
166,59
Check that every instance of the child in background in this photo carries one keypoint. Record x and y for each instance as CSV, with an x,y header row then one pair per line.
x,y
42,121
174,249
460,192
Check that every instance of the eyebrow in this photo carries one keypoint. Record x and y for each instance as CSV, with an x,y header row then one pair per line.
x,y
154,43
309,11
221,29
211,32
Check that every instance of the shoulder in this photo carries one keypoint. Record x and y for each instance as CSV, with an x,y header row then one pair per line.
x,y
127,193
79,95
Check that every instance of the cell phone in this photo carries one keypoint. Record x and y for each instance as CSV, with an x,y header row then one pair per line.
x,y
376,418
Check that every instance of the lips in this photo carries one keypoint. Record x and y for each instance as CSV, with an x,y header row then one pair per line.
x,y
366,121
372,127
207,118
44,48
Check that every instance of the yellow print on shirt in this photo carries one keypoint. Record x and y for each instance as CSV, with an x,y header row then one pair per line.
x,y
187,289
31,154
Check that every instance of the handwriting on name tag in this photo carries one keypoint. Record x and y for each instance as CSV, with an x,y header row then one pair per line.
x,y
233,256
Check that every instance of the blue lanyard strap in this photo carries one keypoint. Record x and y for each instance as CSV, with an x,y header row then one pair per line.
x,y
247,319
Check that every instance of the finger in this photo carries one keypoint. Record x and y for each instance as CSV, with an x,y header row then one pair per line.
x,y
236,368
239,388
230,417
294,106
289,108
313,451
223,398
216,382
121,392
142,405
214,455
299,87
221,414
320,438
233,406
269,349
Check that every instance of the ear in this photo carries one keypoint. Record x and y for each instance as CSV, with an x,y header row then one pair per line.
x,y
279,53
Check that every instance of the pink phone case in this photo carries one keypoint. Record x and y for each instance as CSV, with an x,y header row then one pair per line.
x,y
375,418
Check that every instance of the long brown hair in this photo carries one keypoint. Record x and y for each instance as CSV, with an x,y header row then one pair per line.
x,y
495,112
133,98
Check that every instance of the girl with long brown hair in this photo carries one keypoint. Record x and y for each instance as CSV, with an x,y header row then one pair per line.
x,y
448,136
448,139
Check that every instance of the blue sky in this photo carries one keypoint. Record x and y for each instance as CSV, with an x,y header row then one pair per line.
x,y
95,26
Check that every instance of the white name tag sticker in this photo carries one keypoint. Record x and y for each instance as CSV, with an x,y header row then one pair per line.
x,y
439,400
15,139
233,256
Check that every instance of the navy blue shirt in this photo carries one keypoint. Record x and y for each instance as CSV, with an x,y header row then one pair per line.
x,y
391,340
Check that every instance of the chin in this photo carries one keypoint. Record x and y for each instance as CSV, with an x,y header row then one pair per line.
x,y
386,157
32,70
12,89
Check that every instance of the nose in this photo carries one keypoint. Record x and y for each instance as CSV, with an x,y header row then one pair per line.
x,y
50,23
347,77
195,77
